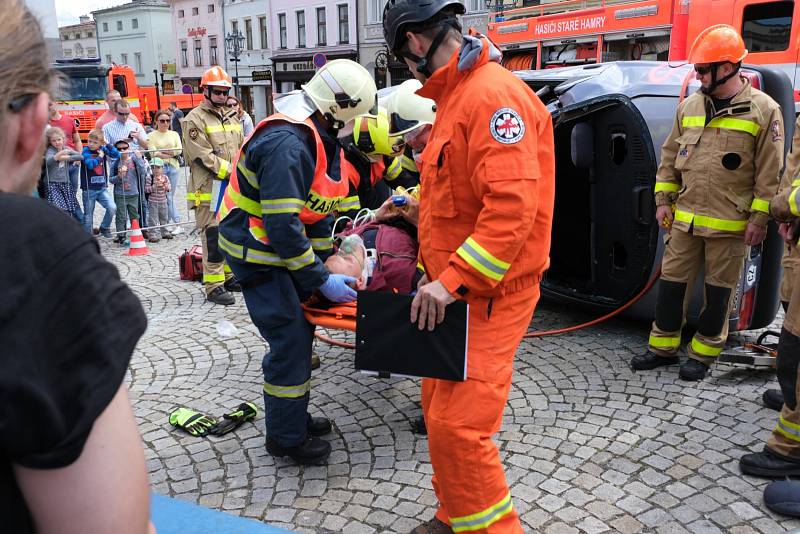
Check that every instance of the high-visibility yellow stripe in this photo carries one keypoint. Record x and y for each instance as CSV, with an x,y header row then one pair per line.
x,y
788,429
321,243
742,125
393,170
669,187
420,267
705,350
484,518
725,225
212,278
281,205
198,196
298,262
253,256
796,182
248,175
482,260
794,196
227,269
693,121
760,204
319,204
242,202
259,233
287,392
224,166
223,128
349,204
664,342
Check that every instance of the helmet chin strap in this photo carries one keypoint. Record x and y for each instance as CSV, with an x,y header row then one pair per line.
x,y
423,63
207,89
715,83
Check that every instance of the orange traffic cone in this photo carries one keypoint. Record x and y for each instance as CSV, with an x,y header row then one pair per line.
x,y
138,247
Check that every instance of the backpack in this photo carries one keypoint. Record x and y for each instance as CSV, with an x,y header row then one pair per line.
x,y
190,263
396,246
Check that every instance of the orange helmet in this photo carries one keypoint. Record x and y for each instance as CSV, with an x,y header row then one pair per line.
x,y
718,44
216,77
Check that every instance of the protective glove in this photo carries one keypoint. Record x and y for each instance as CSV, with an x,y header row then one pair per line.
x,y
336,289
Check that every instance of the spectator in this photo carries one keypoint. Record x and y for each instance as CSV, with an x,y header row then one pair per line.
x,y
157,187
128,175
57,159
111,98
244,118
72,139
166,145
125,128
77,465
177,117
94,181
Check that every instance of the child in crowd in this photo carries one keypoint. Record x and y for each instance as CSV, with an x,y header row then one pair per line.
x,y
126,174
157,207
94,181
57,159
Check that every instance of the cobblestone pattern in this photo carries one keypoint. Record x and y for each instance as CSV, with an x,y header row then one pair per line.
x,y
589,446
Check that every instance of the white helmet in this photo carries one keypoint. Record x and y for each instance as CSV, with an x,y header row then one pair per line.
x,y
408,111
342,90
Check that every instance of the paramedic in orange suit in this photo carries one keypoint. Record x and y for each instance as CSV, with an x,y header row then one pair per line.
x,y
484,230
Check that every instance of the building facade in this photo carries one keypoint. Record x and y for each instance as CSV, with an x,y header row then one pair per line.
x,y
79,40
45,11
134,34
251,20
372,51
198,39
304,32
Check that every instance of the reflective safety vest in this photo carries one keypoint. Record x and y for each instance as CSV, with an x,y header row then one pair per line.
x,y
398,165
352,201
323,197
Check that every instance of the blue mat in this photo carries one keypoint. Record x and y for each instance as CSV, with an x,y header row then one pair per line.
x,y
171,516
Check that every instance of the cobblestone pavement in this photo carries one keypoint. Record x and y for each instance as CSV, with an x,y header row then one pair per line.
x,y
588,445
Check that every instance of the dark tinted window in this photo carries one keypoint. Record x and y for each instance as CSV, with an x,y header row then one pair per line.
x,y
766,27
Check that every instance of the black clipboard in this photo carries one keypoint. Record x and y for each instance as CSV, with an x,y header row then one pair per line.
x,y
389,344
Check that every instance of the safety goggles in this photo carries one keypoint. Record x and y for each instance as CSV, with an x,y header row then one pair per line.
x,y
702,71
220,92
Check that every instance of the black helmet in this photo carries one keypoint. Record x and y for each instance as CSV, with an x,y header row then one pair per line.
x,y
400,13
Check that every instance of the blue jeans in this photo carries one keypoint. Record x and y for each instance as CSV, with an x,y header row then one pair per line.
x,y
104,198
172,211
74,176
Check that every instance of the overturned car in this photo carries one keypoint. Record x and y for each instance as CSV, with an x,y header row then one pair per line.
x,y
610,121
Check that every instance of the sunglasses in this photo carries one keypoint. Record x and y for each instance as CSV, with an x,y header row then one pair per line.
x,y
163,120
123,114
220,92
17,104
702,71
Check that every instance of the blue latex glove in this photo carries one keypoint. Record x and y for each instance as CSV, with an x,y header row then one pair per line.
x,y
336,289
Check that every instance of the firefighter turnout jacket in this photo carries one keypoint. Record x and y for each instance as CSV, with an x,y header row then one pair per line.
x,y
791,253
276,211
721,167
211,139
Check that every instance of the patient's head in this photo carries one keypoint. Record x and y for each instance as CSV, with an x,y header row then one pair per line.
x,y
350,260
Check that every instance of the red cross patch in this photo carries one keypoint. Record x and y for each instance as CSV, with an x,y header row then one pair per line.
x,y
506,126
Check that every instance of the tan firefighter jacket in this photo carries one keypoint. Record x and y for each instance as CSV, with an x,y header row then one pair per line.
x,y
791,254
721,173
211,138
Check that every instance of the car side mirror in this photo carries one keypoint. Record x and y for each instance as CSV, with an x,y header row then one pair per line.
x,y
582,145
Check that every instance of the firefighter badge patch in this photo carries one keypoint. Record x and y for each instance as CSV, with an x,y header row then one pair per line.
x,y
777,135
506,126
194,133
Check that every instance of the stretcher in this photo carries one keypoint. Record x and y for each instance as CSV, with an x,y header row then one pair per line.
x,y
758,355
336,316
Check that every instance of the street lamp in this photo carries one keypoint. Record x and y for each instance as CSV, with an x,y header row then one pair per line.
x,y
234,43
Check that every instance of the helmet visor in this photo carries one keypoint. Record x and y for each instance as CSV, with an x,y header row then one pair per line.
x,y
398,124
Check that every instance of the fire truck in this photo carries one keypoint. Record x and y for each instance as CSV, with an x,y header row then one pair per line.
x,y
577,32
84,83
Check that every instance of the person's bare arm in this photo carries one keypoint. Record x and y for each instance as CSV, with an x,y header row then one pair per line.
x,y
104,490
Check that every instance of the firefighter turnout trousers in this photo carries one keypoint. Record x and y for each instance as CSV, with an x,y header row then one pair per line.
x,y
722,258
462,417
274,306
215,271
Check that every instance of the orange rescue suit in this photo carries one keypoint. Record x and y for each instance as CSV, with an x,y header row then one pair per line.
x,y
486,209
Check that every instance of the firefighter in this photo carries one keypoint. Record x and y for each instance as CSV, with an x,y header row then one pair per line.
x,y
719,169
781,455
486,208
368,149
275,231
773,398
411,116
212,136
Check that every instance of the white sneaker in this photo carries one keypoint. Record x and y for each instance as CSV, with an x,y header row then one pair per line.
x,y
177,230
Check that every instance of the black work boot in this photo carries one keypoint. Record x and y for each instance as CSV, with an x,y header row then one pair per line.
x,y
692,370
319,426
313,451
773,399
418,425
767,464
434,526
220,296
231,284
315,362
650,360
